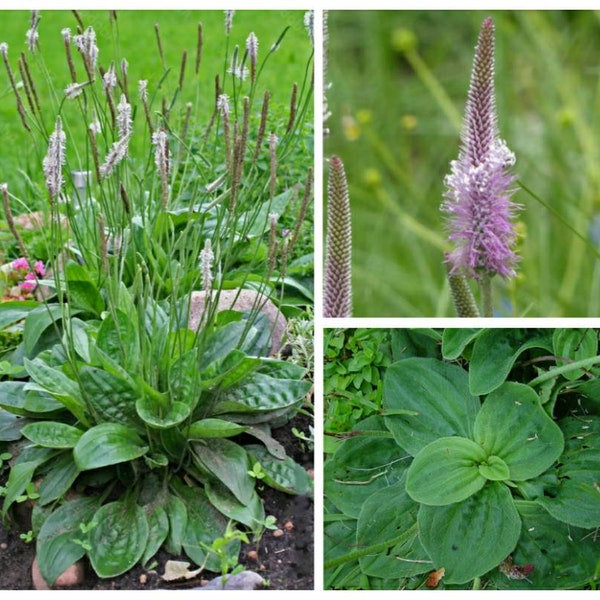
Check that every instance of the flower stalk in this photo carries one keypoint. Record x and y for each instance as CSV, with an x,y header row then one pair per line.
x,y
477,203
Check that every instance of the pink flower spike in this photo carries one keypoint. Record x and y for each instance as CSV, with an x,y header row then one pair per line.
x,y
39,268
20,263
30,277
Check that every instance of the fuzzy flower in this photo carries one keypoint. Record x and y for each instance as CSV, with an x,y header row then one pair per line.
x,y
238,70
223,104
207,258
86,44
252,49
143,89
309,24
33,35
29,285
116,154
39,268
66,34
55,159
337,301
73,90
124,122
228,21
4,50
160,139
479,186
109,79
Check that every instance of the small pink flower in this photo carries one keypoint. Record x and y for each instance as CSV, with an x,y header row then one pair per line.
x,y
28,286
39,268
20,263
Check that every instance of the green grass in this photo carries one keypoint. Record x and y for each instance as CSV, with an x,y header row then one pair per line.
x,y
133,37
399,85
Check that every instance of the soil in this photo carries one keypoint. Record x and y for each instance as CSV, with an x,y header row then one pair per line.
x,y
284,561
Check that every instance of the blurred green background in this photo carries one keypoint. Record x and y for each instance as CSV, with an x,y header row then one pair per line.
x,y
399,83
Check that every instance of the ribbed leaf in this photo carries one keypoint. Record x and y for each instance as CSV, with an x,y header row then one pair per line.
x,y
52,435
108,444
513,426
446,471
213,428
436,400
452,534
119,539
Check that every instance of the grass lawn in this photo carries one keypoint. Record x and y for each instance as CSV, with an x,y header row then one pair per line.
x,y
399,85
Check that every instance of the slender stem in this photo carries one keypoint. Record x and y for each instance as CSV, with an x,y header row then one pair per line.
x,y
376,548
486,296
574,366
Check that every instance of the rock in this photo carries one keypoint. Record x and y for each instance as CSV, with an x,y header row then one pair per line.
x,y
70,577
242,300
246,580
277,533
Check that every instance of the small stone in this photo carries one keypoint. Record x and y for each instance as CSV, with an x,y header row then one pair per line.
x,y
143,578
70,577
289,526
3,546
252,555
277,533
246,580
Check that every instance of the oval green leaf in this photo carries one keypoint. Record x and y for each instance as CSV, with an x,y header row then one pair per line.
x,y
446,471
50,434
161,417
108,444
437,400
513,426
574,345
119,539
213,428
453,534
494,469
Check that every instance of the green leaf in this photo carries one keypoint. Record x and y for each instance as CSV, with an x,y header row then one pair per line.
x,y
12,397
446,471
184,379
494,469
226,503
213,428
204,525
112,397
108,444
262,394
177,516
439,395
563,556
495,352
58,479
576,499
574,344
119,539
56,550
228,462
10,426
118,337
362,465
40,319
385,515
454,341
161,417
452,534
406,343
20,477
284,475
12,312
55,382
158,529
52,435
229,371
513,426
